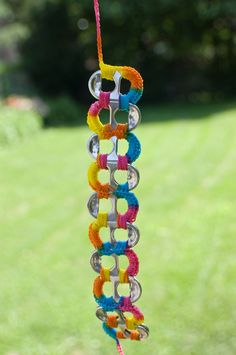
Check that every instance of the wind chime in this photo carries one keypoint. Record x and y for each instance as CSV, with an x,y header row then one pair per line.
x,y
112,310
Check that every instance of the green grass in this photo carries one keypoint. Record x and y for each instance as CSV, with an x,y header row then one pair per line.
x,y
187,195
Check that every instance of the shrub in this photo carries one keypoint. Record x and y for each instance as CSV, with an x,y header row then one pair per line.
x,y
17,125
62,111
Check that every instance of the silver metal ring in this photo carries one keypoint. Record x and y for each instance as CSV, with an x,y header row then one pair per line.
x,y
143,331
96,263
134,117
132,176
101,314
135,289
93,146
133,234
93,205
95,84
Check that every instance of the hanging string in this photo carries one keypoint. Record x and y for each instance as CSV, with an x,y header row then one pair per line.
x,y
98,29
119,347
108,71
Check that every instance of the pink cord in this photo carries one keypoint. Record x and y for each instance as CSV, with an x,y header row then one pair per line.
x,y
103,161
122,162
95,108
103,102
129,216
126,306
119,348
133,262
104,99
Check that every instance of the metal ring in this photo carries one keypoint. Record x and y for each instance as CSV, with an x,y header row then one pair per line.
x,y
133,176
101,314
95,88
96,263
95,84
134,117
143,331
133,234
93,146
135,289
93,205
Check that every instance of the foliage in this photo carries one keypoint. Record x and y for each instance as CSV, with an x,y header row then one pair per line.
x,y
17,125
12,29
187,246
184,49
62,111
53,55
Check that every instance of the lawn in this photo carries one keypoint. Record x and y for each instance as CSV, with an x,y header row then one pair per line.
x,y
187,196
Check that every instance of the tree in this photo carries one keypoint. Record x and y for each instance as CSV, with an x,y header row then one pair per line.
x,y
183,48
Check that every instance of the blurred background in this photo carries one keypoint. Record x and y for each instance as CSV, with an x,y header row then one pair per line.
x,y
186,52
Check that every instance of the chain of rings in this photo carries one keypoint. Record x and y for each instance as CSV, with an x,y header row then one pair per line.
x,y
112,311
